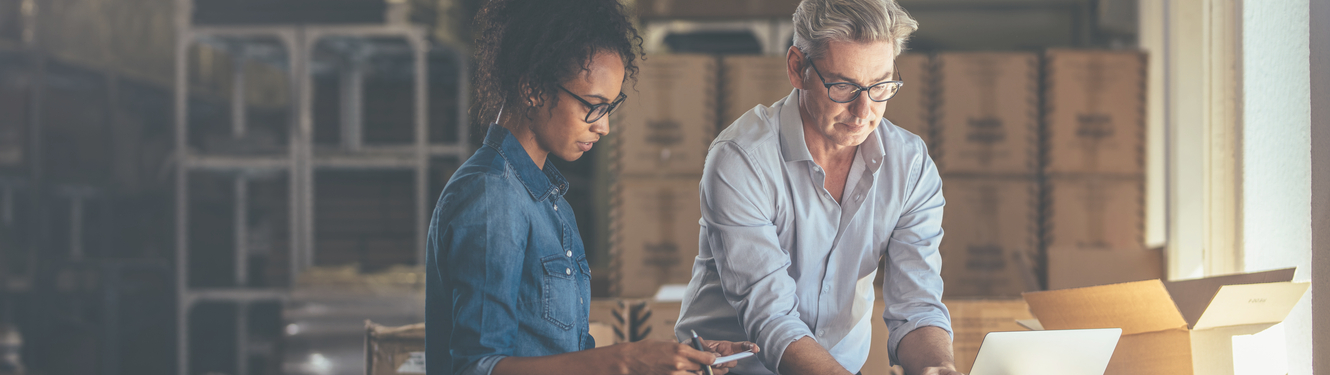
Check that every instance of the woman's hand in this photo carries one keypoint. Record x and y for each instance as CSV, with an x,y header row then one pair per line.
x,y
724,348
652,357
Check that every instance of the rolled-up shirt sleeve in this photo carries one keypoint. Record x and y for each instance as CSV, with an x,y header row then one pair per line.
x,y
913,288
737,211
484,261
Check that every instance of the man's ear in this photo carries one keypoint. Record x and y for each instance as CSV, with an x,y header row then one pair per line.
x,y
794,67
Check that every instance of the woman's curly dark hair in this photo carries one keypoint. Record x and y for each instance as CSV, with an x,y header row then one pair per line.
x,y
526,48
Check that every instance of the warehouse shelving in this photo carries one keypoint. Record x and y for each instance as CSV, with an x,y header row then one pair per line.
x,y
292,49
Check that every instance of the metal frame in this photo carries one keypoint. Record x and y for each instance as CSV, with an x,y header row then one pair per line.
x,y
302,158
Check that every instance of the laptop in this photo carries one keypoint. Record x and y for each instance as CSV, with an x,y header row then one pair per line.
x,y
1057,352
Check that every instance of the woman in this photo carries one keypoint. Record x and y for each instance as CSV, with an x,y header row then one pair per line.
x,y
508,282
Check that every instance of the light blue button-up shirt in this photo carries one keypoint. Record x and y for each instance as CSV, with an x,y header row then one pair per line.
x,y
780,259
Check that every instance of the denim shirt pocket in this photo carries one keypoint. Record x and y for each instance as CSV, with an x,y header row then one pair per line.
x,y
560,291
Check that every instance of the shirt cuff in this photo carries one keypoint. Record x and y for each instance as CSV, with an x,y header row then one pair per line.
x,y
779,336
894,340
484,366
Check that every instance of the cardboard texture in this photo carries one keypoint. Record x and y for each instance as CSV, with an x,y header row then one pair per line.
x,y
655,237
667,123
987,113
1094,212
912,107
1156,336
991,236
1075,268
664,315
1094,111
747,81
972,319
387,349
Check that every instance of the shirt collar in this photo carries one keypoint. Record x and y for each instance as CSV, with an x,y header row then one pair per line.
x,y
542,183
792,144
794,148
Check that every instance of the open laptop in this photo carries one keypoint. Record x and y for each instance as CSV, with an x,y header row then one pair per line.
x,y
1058,352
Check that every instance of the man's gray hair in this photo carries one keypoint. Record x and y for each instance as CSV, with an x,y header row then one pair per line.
x,y
817,22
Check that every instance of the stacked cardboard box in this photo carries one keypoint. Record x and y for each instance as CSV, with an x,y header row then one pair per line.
x,y
1094,204
912,107
661,137
986,147
747,81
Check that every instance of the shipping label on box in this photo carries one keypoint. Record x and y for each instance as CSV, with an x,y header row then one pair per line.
x,y
654,234
1094,111
747,81
667,123
1184,327
1094,212
911,108
987,113
991,236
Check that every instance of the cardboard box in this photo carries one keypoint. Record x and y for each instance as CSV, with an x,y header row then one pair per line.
x,y
991,239
1094,111
1185,327
971,319
628,320
669,118
394,350
987,112
912,107
1076,268
747,81
654,234
1094,212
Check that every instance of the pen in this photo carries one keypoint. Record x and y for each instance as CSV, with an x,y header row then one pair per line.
x,y
697,344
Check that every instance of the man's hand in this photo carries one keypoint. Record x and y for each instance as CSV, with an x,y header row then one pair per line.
x,y
724,348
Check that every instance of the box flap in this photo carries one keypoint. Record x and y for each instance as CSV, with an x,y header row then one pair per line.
x,y
1251,304
1192,296
1136,307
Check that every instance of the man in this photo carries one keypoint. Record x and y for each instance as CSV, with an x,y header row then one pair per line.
x,y
800,200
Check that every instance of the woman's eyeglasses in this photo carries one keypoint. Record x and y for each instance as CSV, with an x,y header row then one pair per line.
x,y
596,111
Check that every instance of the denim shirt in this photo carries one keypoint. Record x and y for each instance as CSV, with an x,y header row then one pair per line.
x,y
506,271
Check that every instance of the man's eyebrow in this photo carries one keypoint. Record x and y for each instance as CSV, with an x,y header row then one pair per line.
x,y
840,78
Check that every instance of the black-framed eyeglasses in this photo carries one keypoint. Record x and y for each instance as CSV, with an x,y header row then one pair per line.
x,y
845,92
596,111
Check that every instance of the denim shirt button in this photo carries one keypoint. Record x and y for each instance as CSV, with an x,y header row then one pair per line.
x,y
568,254
556,206
568,271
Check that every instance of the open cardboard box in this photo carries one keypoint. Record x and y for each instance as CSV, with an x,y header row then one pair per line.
x,y
1184,327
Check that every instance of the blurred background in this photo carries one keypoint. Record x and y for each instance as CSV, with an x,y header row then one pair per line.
x,y
237,186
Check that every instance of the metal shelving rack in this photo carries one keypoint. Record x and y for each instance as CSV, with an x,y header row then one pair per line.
x,y
293,50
